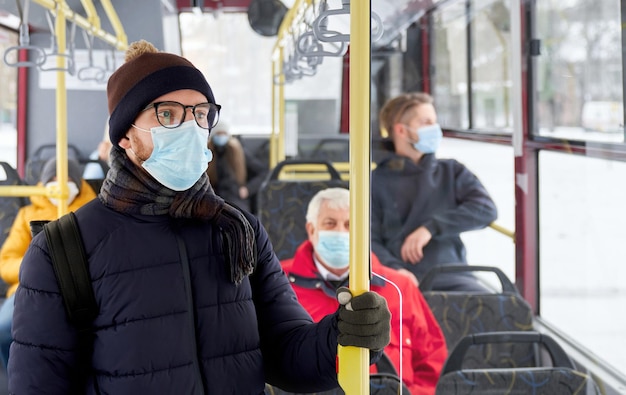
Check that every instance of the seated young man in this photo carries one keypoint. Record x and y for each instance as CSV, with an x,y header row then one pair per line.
x,y
320,266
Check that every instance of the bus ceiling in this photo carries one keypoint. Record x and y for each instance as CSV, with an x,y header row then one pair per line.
x,y
395,15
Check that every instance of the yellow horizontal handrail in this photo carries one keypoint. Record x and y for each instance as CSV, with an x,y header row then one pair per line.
x,y
314,171
28,190
503,230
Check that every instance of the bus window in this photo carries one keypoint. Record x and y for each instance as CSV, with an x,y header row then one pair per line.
x,y
238,66
582,219
579,72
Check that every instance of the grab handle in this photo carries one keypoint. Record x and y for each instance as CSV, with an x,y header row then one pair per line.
x,y
40,56
71,68
24,40
309,46
427,281
90,72
320,25
558,355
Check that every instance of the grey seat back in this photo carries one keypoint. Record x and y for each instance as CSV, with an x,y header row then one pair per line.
x,y
9,205
282,205
460,314
42,154
560,378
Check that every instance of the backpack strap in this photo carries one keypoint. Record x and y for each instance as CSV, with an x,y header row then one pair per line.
x,y
72,272
70,268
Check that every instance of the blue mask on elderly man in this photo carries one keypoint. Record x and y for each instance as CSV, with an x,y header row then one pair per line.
x,y
334,248
180,156
429,139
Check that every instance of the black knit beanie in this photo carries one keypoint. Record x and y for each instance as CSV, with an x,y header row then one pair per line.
x,y
146,75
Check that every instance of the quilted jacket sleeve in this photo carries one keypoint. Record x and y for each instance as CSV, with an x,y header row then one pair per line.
x,y
299,355
43,354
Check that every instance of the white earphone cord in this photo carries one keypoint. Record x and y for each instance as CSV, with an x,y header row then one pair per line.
x,y
401,338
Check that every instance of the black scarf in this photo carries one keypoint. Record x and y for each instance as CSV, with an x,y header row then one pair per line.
x,y
130,189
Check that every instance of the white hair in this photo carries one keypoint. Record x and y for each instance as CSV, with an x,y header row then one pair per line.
x,y
337,198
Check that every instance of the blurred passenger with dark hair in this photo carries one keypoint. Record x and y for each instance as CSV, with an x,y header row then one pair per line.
x,y
422,204
41,208
98,165
234,174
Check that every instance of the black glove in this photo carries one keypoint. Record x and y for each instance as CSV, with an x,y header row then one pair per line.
x,y
364,320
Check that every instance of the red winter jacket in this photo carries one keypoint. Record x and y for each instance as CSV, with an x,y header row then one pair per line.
x,y
424,347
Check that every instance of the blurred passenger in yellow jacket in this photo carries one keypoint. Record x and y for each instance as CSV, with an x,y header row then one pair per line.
x,y
41,208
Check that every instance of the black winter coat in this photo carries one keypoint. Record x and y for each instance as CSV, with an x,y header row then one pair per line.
x,y
164,326
440,194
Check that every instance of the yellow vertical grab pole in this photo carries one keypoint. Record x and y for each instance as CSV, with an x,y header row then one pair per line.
x,y
61,109
279,154
353,372
274,109
276,136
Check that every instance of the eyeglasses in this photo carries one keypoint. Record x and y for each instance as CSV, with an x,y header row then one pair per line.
x,y
171,114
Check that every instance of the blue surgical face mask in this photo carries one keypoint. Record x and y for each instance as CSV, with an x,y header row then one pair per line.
x,y
429,138
180,156
220,140
334,248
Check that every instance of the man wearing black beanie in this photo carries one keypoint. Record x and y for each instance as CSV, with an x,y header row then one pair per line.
x,y
191,297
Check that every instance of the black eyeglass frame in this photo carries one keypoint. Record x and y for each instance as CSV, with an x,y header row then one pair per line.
x,y
156,105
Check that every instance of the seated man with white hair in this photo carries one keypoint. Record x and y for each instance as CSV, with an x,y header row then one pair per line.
x,y
321,265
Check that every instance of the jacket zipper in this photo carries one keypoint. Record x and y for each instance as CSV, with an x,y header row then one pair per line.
x,y
192,315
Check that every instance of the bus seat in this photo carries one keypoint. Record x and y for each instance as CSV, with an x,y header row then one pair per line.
x,y
282,204
9,205
94,173
558,378
332,149
460,314
39,158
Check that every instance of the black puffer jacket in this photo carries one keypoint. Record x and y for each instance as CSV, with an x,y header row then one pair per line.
x,y
167,327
